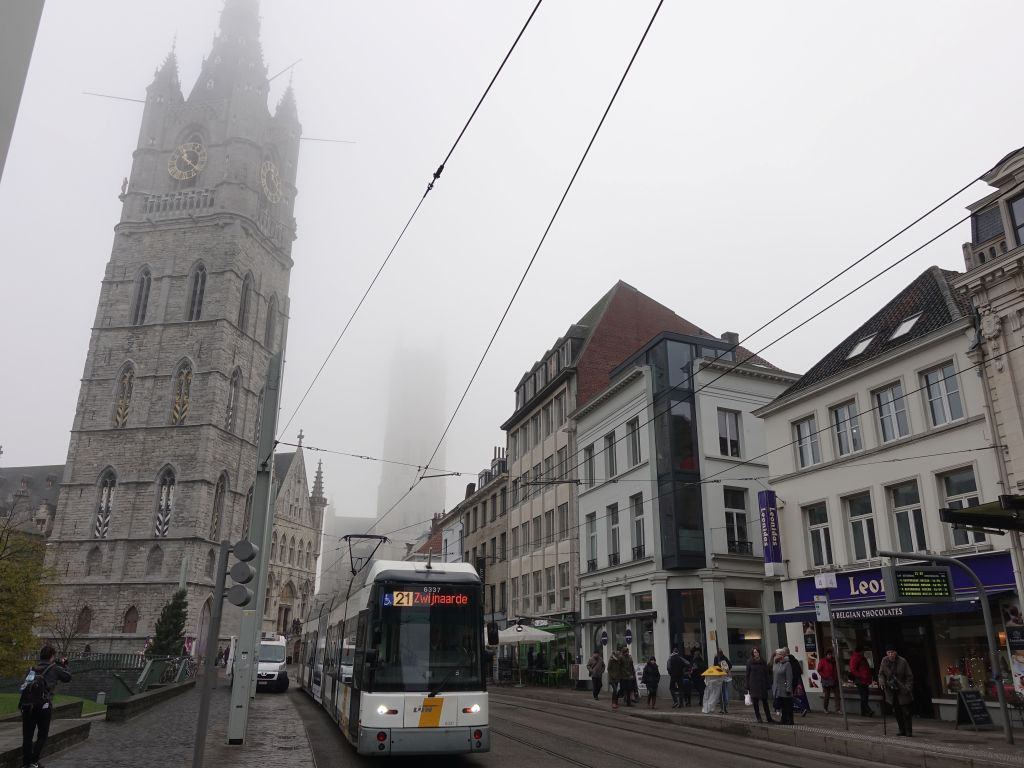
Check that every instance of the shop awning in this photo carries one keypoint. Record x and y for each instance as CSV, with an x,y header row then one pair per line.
x,y
882,609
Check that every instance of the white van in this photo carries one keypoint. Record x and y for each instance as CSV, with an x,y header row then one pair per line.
x,y
273,671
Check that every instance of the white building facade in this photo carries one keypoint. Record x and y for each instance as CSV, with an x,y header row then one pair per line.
x,y
879,435
667,560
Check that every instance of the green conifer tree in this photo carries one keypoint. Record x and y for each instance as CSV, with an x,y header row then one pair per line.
x,y
170,627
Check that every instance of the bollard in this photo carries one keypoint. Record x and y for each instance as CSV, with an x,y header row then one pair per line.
x,y
101,697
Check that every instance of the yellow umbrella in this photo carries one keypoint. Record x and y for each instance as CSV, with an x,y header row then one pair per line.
x,y
714,671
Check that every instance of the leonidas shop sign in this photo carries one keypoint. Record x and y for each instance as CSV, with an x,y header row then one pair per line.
x,y
852,587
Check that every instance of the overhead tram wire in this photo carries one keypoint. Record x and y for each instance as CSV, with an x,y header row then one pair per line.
x,y
418,467
430,186
533,258
746,462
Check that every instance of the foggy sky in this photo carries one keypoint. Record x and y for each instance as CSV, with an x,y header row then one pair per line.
x,y
755,150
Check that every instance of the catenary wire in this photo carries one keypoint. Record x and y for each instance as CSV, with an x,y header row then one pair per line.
x,y
533,258
452,472
436,175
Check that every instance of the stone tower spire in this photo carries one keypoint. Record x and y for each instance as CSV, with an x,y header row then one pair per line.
x,y
318,502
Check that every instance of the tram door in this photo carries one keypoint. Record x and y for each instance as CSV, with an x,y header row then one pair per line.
x,y
359,673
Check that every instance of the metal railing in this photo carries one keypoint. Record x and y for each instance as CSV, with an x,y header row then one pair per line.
x,y
591,565
639,552
613,558
741,547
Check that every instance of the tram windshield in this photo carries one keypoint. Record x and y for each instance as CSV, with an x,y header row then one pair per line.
x,y
429,638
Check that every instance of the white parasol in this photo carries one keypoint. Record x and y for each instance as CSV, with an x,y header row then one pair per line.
x,y
520,634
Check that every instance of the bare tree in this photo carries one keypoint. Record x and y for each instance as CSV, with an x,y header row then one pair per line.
x,y
62,627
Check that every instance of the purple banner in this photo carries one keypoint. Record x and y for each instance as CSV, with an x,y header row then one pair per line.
x,y
770,538
995,570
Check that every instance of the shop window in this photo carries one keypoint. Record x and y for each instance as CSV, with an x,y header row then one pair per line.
x,y
943,395
745,632
645,632
906,511
962,654
594,608
743,598
820,535
617,605
862,526
961,492
643,601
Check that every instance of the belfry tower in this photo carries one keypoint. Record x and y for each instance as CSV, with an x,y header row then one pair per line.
x,y
193,302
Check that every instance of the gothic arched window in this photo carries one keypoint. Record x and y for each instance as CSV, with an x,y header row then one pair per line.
x,y
164,503
84,625
259,416
269,333
125,384
130,623
218,505
309,557
247,517
243,307
93,562
291,552
233,390
155,561
196,291
211,563
108,484
273,548
300,550
182,390
141,301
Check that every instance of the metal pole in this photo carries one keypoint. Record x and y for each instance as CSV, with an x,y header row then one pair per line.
x,y
210,671
835,655
252,620
990,630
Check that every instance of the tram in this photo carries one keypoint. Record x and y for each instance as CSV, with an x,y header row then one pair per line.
x,y
399,666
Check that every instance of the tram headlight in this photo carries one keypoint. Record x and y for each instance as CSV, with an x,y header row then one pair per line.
x,y
475,709
384,709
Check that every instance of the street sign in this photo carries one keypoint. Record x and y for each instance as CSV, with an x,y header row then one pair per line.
x,y
825,580
821,611
918,583
604,637
629,636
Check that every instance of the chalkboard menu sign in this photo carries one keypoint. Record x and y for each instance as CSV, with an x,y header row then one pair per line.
x,y
971,709
918,583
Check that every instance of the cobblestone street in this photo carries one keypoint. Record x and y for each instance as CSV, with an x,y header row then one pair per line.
x,y
164,736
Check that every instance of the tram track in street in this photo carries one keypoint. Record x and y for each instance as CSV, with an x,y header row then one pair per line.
x,y
714,744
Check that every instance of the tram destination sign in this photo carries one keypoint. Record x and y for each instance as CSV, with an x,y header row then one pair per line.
x,y
918,584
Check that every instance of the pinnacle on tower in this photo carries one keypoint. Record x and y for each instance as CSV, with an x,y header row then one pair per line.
x,y
166,75
235,64
318,483
286,107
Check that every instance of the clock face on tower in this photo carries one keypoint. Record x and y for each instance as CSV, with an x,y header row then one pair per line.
x,y
270,181
187,160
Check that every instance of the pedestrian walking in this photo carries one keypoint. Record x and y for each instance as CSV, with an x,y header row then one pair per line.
x,y
782,685
615,676
723,663
699,668
631,693
651,677
36,703
678,669
860,670
896,679
801,703
829,681
596,669
759,684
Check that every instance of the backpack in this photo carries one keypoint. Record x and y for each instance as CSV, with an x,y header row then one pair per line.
x,y
35,693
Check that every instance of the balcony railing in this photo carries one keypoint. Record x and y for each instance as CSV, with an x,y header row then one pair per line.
x,y
591,565
613,558
639,552
741,547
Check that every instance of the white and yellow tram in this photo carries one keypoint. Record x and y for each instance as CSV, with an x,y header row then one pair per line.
x,y
400,667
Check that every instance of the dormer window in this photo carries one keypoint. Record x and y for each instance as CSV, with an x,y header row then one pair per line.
x,y
905,326
860,346
1017,214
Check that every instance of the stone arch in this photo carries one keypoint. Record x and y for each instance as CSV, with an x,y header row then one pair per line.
x,y
273,547
270,329
234,393
130,622
93,562
220,493
107,488
140,296
124,385
291,551
204,623
309,555
181,391
155,561
196,291
84,624
245,302
211,563
300,551
166,485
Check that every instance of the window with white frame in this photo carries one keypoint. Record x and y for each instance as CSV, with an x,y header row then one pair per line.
x,y
563,521
536,487
860,346
515,542
862,526
905,326
728,432
549,526
563,584
559,409
906,511
961,492
538,535
612,513
846,423
538,590
609,456
588,464
736,518
943,395
562,462
526,536
633,441
636,506
892,412
549,583
820,535
592,539
806,434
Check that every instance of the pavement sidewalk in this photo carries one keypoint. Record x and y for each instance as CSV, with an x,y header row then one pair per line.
x,y
935,743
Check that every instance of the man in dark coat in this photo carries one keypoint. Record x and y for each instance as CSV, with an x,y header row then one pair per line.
x,y
678,668
37,700
896,680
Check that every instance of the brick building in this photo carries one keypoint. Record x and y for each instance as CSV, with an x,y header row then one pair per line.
x,y
193,302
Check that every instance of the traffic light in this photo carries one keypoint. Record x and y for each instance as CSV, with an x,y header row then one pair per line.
x,y
242,573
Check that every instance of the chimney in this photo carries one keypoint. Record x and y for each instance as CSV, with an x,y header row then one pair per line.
x,y
470,489
730,337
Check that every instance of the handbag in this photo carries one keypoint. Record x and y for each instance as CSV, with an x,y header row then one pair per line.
x,y
747,700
